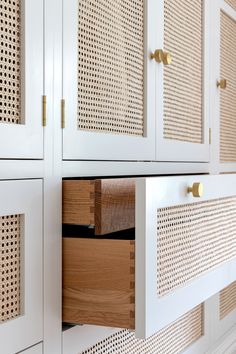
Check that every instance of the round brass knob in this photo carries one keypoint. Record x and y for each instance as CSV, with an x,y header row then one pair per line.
x,y
196,190
162,57
222,84
167,59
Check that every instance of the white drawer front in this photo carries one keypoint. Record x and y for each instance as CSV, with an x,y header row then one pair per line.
x,y
185,246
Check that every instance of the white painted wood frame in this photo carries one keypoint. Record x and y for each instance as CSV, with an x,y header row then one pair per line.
x,y
152,312
25,197
85,145
173,150
25,140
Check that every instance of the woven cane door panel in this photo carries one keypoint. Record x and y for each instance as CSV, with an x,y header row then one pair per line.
x,y
232,3
10,253
193,239
227,96
227,300
110,81
10,61
172,339
183,89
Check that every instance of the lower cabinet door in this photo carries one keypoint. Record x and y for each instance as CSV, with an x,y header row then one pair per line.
x,y
21,290
185,249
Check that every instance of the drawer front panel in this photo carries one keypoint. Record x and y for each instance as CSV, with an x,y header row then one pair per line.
x,y
172,340
193,239
227,96
227,300
183,86
185,246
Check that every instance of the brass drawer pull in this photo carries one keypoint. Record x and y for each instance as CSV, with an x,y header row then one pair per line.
x,y
162,57
196,190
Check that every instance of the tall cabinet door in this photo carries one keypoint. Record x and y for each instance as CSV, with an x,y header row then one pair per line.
x,y
182,132
21,79
21,265
224,83
185,245
109,79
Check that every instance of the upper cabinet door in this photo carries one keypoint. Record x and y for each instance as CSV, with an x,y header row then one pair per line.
x,y
21,79
109,79
223,84
182,80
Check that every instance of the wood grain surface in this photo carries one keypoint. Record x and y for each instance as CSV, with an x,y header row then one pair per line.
x,y
108,204
98,282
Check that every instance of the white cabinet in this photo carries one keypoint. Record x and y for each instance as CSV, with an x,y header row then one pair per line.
x,y
21,79
120,102
185,246
21,315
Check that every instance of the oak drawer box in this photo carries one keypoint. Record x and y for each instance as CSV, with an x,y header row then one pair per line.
x,y
185,252
98,282
106,204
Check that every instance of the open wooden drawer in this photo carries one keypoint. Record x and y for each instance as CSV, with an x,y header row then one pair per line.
x,y
185,251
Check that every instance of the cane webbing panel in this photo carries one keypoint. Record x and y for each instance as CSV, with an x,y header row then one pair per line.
x,y
227,96
227,300
193,239
183,33
10,63
172,339
9,267
111,66
231,3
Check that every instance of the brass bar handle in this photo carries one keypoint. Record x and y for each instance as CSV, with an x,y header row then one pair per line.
x,y
222,84
196,190
162,57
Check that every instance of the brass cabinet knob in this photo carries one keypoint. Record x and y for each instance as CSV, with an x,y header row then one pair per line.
x,y
161,57
196,190
222,84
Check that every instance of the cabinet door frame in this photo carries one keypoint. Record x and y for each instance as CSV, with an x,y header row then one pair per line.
x,y
153,312
173,150
85,145
25,197
26,140
216,8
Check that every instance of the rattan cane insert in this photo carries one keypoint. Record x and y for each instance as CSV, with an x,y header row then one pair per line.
x,y
227,96
227,300
193,239
231,3
10,61
183,85
111,66
172,339
10,244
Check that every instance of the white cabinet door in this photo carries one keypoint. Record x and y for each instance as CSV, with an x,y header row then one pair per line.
x,y
185,246
109,79
21,300
21,79
223,103
182,97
